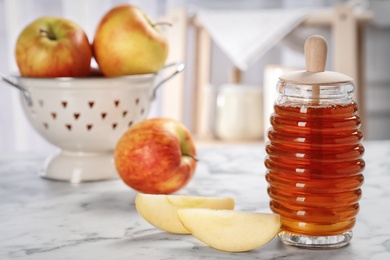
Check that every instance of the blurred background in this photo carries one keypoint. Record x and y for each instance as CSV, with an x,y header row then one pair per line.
x,y
234,51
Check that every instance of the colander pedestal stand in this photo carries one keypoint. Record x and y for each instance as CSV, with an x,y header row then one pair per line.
x,y
77,167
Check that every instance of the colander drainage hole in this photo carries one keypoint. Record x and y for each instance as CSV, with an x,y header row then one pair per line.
x,y
124,113
89,127
53,115
33,113
76,115
116,102
91,104
104,115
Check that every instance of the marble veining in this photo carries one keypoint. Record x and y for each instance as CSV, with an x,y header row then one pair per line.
x,y
43,219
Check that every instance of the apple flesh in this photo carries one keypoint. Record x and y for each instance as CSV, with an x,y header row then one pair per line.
x,y
230,231
156,156
161,210
128,42
53,47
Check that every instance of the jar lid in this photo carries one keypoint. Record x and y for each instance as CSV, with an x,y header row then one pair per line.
x,y
316,49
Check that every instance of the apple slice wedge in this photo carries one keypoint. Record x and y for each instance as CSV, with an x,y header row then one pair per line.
x,y
161,210
230,231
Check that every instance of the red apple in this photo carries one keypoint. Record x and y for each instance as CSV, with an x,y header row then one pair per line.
x,y
156,156
53,47
128,42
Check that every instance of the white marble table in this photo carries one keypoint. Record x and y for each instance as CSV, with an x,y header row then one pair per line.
x,y
42,219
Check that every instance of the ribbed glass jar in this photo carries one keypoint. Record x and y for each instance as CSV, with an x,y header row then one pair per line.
x,y
314,164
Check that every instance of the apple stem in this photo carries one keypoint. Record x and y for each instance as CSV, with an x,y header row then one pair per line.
x,y
162,24
191,156
47,34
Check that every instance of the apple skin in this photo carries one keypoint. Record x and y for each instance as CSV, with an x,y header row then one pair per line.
x,y
127,42
68,55
156,156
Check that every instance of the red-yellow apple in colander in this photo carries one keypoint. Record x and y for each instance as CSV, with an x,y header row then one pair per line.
x,y
156,156
128,42
53,47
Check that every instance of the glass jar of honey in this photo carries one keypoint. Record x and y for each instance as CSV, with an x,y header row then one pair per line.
x,y
314,154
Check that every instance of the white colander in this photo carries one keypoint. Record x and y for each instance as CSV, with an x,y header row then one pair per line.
x,y
85,117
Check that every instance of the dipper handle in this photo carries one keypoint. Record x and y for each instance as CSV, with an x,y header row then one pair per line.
x,y
316,49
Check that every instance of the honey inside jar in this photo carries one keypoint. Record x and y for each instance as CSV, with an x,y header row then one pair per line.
x,y
315,167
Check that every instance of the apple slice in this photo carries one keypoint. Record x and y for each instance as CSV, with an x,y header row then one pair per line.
x,y
161,210
231,231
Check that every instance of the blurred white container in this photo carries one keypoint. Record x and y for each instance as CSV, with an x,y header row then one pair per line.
x,y
238,112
